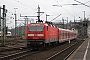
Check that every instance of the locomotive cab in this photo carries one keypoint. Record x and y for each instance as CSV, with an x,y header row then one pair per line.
x,y
35,35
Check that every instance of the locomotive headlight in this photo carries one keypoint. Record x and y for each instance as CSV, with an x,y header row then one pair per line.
x,y
40,34
30,34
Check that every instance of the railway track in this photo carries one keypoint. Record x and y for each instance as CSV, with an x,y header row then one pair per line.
x,y
53,53
11,56
17,55
65,53
12,44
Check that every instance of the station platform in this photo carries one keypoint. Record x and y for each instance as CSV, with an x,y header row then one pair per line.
x,y
83,51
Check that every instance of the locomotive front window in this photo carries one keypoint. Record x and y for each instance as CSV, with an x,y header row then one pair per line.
x,y
35,28
32,28
39,28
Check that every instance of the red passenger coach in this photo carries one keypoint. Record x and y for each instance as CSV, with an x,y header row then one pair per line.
x,y
71,34
63,35
66,35
40,34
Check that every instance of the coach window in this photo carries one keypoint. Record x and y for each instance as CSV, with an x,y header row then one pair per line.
x,y
65,34
60,33
71,34
47,28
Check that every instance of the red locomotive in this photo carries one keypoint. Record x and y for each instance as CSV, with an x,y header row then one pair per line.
x,y
42,34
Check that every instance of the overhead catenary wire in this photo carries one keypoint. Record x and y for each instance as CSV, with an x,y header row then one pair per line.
x,y
12,5
82,3
24,4
28,6
56,17
39,5
72,9
64,8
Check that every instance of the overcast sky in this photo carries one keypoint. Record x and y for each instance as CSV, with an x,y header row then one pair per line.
x,y
29,8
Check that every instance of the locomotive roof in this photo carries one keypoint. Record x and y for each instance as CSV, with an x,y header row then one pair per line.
x,y
53,26
43,23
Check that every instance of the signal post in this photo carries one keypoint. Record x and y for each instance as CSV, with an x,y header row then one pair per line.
x,y
3,29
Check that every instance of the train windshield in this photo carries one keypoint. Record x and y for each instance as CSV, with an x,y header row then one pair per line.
x,y
35,28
